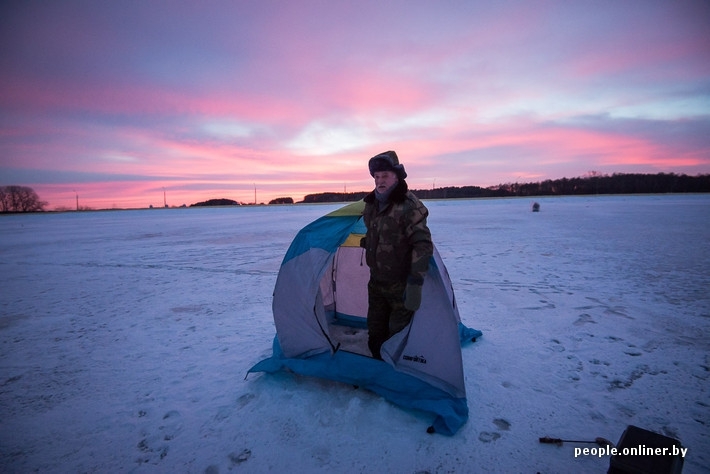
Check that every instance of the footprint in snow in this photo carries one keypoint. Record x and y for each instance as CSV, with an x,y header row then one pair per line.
x,y
154,445
556,346
245,399
487,436
238,458
502,424
172,424
574,369
150,447
583,319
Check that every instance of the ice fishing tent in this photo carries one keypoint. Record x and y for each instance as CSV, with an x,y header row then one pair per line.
x,y
320,310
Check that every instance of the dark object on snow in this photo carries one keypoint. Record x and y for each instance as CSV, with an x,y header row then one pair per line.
x,y
600,441
536,207
646,452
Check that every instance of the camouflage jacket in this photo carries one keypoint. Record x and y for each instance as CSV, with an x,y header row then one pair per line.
x,y
398,243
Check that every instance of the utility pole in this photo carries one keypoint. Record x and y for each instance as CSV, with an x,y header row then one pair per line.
x,y
77,200
165,200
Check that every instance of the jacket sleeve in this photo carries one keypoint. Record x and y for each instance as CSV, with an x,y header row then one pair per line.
x,y
419,238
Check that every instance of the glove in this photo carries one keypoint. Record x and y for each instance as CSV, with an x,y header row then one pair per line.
x,y
413,296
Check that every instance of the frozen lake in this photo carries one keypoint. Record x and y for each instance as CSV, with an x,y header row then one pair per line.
x,y
125,337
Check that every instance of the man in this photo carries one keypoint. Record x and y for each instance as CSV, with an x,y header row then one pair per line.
x,y
397,246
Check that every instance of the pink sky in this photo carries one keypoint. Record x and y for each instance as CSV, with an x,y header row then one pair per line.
x,y
118,101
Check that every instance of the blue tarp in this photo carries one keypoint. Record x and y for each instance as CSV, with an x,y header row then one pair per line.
x,y
378,377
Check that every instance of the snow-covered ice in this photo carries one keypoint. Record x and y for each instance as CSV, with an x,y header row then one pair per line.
x,y
125,338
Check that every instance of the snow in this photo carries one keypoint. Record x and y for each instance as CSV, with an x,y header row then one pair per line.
x,y
125,338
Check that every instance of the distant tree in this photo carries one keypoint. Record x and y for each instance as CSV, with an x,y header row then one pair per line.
x,y
282,200
20,199
216,202
333,197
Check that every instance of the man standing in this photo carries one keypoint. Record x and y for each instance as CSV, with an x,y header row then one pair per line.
x,y
397,246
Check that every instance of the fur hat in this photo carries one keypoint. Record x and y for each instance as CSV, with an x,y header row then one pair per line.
x,y
387,161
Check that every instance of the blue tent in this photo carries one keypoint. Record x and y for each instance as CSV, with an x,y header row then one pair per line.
x,y
320,310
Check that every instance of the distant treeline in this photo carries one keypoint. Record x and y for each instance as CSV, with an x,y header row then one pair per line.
x,y
231,202
618,183
215,202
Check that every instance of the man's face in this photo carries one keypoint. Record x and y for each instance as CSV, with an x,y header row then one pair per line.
x,y
384,180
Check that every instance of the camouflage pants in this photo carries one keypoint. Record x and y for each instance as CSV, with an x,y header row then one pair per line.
x,y
386,314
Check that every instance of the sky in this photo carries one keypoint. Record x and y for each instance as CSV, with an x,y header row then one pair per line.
x,y
132,103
